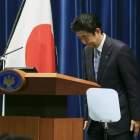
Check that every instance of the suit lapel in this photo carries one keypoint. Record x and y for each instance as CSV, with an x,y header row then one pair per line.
x,y
106,52
90,58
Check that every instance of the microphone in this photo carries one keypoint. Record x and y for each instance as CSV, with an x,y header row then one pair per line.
x,y
3,59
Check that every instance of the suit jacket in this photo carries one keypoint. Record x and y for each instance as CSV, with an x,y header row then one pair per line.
x,y
117,70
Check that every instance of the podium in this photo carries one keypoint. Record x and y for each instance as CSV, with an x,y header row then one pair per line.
x,y
36,111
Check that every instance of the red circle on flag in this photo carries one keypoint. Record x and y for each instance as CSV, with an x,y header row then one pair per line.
x,y
40,50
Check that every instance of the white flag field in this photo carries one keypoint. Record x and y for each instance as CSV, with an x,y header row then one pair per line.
x,y
33,32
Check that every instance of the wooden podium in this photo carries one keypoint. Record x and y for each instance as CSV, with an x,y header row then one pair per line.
x,y
36,112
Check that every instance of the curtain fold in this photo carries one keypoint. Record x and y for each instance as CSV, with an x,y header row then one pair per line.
x,y
120,20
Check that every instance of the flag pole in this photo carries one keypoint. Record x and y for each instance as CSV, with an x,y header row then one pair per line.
x,y
11,34
15,24
13,29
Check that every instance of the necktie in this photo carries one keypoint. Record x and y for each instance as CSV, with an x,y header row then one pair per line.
x,y
96,62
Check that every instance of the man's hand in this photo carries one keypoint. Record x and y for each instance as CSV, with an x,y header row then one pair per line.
x,y
135,125
85,125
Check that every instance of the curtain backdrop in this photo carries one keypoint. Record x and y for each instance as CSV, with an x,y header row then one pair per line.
x,y
120,20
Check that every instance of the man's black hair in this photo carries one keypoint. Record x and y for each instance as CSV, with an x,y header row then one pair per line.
x,y
86,22
8,136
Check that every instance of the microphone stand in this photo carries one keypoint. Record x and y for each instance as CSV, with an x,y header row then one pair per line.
x,y
3,58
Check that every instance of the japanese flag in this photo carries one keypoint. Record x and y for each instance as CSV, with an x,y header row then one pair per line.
x,y
33,32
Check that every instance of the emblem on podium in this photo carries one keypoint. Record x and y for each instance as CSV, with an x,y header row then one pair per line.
x,y
10,81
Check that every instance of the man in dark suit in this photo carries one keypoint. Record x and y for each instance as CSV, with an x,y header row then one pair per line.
x,y
116,69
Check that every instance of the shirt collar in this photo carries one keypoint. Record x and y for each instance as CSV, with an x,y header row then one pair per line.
x,y
100,47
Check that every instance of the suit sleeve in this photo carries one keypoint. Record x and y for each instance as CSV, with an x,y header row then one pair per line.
x,y
85,77
128,69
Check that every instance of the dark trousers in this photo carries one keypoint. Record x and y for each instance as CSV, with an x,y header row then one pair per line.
x,y
96,132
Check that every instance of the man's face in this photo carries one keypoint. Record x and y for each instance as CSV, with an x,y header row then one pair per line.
x,y
90,40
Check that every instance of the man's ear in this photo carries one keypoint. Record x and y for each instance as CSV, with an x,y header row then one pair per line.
x,y
98,30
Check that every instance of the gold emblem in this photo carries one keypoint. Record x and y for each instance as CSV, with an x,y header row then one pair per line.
x,y
9,80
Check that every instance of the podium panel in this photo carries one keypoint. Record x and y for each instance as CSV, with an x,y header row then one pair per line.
x,y
43,129
20,126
